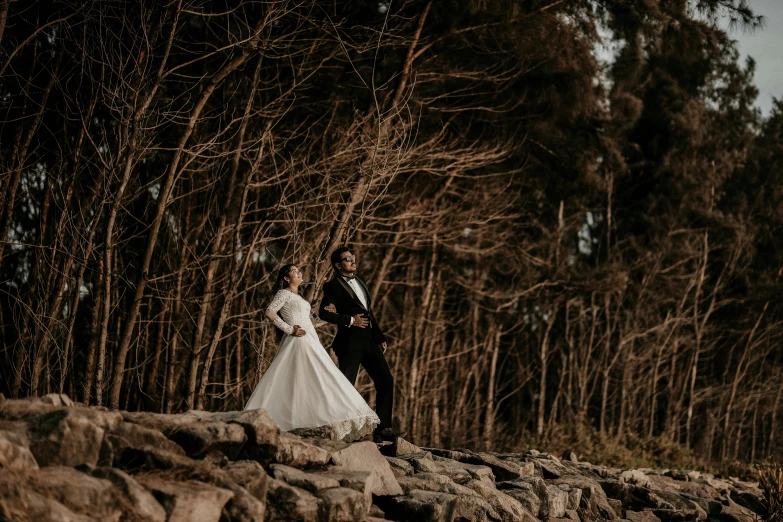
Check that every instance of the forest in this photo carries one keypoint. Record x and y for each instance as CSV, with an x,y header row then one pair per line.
x,y
568,211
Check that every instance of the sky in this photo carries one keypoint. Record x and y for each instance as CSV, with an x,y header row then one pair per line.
x,y
766,47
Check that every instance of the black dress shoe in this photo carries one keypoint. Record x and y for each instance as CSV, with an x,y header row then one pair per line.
x,y
386,434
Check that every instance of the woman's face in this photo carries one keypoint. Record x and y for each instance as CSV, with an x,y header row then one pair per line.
x,y
294,276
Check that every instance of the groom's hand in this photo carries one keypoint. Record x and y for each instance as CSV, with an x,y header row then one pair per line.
x,y
359,321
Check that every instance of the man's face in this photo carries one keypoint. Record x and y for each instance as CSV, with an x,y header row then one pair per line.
x,y
347,263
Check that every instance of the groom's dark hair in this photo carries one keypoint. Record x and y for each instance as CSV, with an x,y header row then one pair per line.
x,y
335,257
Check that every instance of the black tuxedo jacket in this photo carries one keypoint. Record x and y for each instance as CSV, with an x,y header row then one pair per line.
x,y
349,338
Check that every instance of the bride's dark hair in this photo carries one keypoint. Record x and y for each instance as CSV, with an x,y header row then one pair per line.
x,y
284,272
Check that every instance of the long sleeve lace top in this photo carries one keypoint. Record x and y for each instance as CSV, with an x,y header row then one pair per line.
x,y
294,310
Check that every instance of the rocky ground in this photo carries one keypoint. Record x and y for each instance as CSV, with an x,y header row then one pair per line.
x,y
62,461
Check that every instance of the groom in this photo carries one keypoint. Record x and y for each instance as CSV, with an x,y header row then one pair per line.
x,y
359,339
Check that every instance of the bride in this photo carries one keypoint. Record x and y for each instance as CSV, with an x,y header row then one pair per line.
x,y
302,387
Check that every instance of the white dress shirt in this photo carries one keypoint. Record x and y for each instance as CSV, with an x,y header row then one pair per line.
x,y
359,291
357,288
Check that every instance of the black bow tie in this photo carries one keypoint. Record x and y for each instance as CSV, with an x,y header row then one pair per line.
x,y
349,278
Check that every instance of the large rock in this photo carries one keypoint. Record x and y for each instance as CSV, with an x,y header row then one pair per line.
x,y
750,500
142,501
79,493
307,481
552,500
341,505
203,438
550,469
65,437
243,506
664,504
247,480
526,493
361,481
420,506
436,483
670,506
286,502
574,496
188,501
364,456
292,450
263,434
250,475
462,472
555,504
698,488
321,432
400,467
129,435
399,447
15,453
21,503
15,409
594,503
506,506
153,458
641,516
196,432
423,463
733,512
432,506
502,469
634,476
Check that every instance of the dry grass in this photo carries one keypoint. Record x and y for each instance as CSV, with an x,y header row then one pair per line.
x,y
628,452
771,483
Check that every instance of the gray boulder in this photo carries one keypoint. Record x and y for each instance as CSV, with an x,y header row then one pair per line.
x,y
507,507
400,467
295,451
361,481
262,432
308,481
65,437
286,502
364,456
641,516
188,501
15,452
399,447
502,469
81,494
142,501
18,502
129,435
250,475
594,503
341,505
433,506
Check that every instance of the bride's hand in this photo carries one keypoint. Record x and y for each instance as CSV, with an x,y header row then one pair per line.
x,y
331,308
299,331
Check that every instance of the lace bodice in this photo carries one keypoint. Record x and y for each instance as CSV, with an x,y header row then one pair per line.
x,y
294,310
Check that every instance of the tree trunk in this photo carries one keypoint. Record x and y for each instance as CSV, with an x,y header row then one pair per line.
x,y
163,197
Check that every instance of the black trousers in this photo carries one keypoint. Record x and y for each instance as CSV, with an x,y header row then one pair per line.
x,y
373,361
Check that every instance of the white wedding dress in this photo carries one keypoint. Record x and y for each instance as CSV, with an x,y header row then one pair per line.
x,y
302,387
